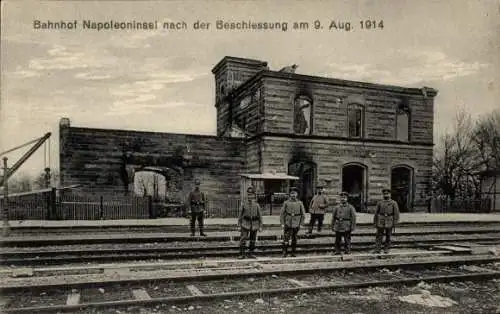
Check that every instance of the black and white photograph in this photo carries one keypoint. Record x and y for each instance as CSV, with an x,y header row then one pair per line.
x,y
250,156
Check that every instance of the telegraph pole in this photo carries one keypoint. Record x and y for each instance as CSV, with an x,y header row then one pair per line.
x,y
47,177
6,226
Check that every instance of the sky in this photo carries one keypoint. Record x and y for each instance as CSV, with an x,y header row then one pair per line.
x,y
161,80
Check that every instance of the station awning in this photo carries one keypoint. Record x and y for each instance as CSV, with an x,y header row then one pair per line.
x,y
269,176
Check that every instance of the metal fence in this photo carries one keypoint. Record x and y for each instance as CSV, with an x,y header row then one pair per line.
x,y
29,205
93,207
461,206
228,208
50,204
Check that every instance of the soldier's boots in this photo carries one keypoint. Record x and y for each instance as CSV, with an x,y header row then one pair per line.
x,y
242,253
337,250
202,233
285,250
252,250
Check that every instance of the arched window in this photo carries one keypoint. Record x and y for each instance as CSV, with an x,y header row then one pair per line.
x,y
403,123
302,122
355,120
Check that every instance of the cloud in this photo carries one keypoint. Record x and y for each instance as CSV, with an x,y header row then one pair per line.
x,y
91,76
142,94
61,58
25,73
133,106
408,67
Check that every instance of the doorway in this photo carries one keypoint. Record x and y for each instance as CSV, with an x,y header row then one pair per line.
x,y
306,171
401,187
354,183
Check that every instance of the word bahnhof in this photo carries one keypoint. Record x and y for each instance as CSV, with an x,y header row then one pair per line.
x,y
89,24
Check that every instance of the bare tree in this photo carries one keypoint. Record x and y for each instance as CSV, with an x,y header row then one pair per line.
x,y
20,183
455,162
40,181
486,137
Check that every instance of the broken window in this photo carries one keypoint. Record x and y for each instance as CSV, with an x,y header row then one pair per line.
x,y
403,123
302,115
355,117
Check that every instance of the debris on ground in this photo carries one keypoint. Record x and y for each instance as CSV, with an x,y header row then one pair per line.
x,y
101,290
428,299
424,285
472,268
259,301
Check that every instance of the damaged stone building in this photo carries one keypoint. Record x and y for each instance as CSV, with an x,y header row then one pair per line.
x,y
280,128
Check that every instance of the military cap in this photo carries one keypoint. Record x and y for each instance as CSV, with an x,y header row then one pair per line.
x,y
344,193
384,190
250,189
294,189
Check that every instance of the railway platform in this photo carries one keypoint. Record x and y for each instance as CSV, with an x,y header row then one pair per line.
x,y
363,219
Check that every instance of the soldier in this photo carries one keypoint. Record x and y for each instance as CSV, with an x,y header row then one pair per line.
x,y
292,216
343,223
317,209
195,204
249,221
385,219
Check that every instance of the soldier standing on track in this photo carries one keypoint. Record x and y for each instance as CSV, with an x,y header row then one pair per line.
x,y
249,221
343,223
385,219
317,209
292,216
196,203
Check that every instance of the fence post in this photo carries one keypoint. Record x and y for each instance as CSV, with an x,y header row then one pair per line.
x,y
150,207
101,207
53,204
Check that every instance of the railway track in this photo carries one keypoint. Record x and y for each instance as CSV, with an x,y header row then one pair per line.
x,y
230,279
128,237
36,231
192,250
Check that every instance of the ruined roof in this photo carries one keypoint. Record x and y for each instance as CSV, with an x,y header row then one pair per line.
x,y
251,62
424,91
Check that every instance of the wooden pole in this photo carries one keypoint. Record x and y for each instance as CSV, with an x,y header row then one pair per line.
x,y
6,226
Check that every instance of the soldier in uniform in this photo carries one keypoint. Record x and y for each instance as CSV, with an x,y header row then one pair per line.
x,y
343,223
195,204
317,209
385,219
292,216
249,221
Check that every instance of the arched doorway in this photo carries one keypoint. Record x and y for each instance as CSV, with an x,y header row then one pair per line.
x,y
354,183
150,183
402,187
306,171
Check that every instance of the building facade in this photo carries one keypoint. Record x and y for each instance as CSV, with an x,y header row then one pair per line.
x,y
352,136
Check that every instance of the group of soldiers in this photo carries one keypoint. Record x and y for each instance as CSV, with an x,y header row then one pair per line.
x,y
292,218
